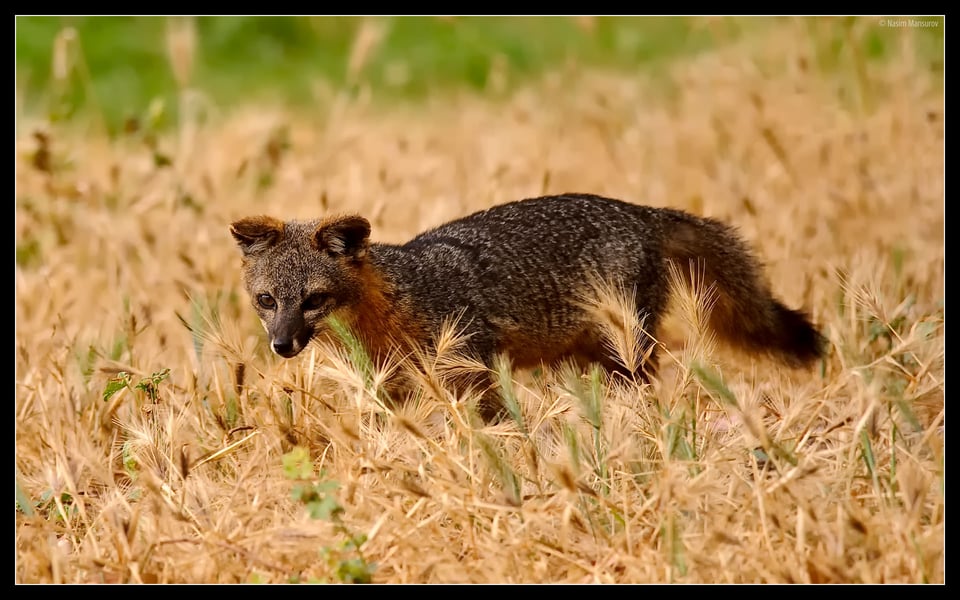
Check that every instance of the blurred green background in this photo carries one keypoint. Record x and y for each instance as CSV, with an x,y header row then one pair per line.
x,y
117,66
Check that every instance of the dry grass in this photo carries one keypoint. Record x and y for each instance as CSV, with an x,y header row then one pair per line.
x,y
767,475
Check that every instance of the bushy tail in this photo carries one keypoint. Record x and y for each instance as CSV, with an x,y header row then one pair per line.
x,y
746,314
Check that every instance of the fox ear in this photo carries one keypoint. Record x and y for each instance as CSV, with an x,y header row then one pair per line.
x,y
255,234
345,236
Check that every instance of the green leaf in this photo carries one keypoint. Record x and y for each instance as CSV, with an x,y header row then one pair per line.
x,y
573,445
161,160
355,542
877,330
232,410
868,458
785,454
28,253
297,464
327,508
23,501
327,486
714,384
159,376
304,492
116,384
761,455
129,460
355,570
589,397
908,415
149,384
156,113
87,362
358,354
119,345
897,254
676,547
359,358
507,393
264,180
508,478
255,578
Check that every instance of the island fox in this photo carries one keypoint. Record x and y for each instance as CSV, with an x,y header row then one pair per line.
x,y
514,274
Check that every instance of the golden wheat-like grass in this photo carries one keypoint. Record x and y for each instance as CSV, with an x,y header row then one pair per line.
x,y
725,469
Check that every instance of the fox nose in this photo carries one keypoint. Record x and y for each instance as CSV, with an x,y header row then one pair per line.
x,y
283,347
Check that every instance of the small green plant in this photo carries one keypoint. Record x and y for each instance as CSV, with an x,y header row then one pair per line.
x,y
866,452
86,361
47,505
115,384
591,397
677,430
358,354
359,358
23,502
147,385
508,394
346,562
28,253
670,531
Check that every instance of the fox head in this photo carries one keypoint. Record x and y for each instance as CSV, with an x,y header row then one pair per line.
x,y
297,273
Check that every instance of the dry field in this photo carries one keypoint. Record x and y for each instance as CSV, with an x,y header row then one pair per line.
x,y
158,440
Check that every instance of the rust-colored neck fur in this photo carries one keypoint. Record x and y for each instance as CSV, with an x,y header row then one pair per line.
x,y
383,319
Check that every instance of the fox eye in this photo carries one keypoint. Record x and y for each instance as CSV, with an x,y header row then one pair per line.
x,y
315,301
266,301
